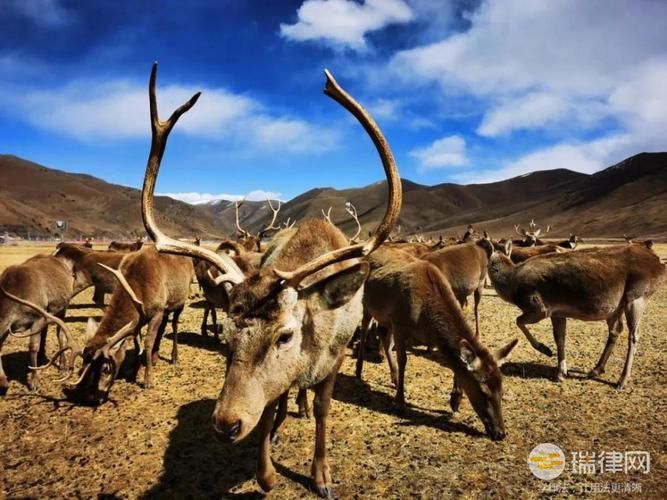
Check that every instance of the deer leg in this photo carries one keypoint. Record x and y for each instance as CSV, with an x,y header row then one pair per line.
x,y
478,298
402,361
158,339
204,329
320,469
615,326
387,340
152,332
456,395
137,353
4,383
532,317
266,473
214,318
281,415
41,351
174,327
64,357
559,328
302,401
633,315
98,298
361,347
34,346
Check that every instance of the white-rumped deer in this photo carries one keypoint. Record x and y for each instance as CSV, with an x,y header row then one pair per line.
x,y
293,317
591,285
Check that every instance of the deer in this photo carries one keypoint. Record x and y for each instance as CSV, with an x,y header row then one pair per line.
x,y
590,285
469,235
88,272
570,243
88,243
522,254
119,246
530,237
252,242
48,282
150,286
292,318
414,301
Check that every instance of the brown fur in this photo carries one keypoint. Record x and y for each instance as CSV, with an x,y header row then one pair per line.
x,y
119,246
88,271
522,254
590,285
412,299
43,280
162,284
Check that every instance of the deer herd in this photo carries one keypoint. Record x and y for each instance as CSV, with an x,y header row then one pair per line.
x,y
294,296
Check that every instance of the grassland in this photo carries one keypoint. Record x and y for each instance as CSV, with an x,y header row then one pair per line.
x,y
160,444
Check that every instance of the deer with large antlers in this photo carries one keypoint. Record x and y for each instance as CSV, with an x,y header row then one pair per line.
x,y
352,210
530,236
293,317
414,301
43,280
591,285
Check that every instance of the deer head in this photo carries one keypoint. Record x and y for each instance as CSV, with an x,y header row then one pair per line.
x,y
283,322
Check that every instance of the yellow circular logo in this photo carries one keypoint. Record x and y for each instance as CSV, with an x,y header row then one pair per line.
x,y
546,461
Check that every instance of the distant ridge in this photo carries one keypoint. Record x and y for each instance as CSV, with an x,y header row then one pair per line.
x,y
629,197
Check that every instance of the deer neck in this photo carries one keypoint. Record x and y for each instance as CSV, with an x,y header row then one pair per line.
x,y
501,272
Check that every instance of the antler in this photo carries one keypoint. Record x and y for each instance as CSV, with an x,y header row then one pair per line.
x,y
243,232
160,132
275,214
352,210
333,90
327,216
520,233
123,282
72,344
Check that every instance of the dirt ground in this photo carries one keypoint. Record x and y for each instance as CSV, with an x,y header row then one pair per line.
x,y
160,443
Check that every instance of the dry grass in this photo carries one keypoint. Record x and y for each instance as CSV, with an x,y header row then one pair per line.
x,y
159,443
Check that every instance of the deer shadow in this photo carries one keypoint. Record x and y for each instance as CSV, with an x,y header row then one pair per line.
x,y
15,365
197,465
528,370
351,390
197,340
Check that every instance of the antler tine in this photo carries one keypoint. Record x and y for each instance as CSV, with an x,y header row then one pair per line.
x,y
126,286
243,232
516,228
333,90
275,214
327,215
352,210
72,344
160,132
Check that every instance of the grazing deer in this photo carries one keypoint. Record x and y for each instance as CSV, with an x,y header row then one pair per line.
x,y
87,270
119,246
530,237
46,281
570,243
293,317
591,285
413,299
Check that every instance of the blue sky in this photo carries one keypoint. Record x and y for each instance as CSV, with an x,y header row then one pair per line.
x,y
466,91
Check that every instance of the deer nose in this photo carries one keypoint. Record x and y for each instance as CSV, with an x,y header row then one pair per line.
x,y
227,431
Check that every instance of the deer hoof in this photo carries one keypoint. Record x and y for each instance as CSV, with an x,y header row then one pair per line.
x,y
560,376
595,372
275,437
620,385
455,401
4,386
323,491
267,482
545,350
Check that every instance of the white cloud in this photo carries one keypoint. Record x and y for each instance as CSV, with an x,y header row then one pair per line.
x,y
195,198
344,23
118,109
46,13
384,109
445,152
555,66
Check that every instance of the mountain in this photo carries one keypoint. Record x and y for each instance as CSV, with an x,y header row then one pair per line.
x,y
629,197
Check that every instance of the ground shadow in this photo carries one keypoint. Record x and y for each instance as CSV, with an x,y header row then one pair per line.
x,y
81,319
197,465
528,369
351,390
90,305
197,340
199,304
582,375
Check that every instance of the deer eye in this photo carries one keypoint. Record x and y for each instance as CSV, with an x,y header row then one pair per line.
x,y
284,338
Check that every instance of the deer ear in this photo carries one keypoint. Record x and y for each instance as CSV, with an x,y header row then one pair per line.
x,y
337,289
503,354
468,356
91,328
